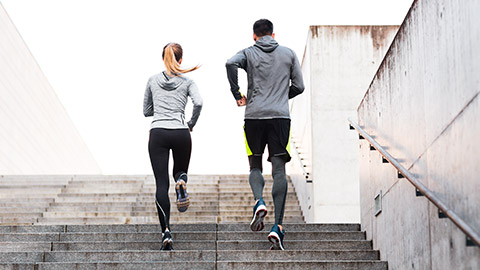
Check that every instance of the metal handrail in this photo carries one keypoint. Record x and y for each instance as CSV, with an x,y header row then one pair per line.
x,y
462,225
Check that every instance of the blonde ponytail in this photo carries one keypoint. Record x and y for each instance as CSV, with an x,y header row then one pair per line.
x,y
172,53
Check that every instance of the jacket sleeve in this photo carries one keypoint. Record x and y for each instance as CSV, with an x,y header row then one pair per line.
x,y
237,61
197,103
148,101
296,86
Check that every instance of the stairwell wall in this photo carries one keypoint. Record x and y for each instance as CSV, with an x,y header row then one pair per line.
x,y
423,106
338,65
36,134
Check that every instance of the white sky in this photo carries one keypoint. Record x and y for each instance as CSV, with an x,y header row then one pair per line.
x,y
98,55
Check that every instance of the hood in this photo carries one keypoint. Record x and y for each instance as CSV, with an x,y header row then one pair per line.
x,y
167,82
266,44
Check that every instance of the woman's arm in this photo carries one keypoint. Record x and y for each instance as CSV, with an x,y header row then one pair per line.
x,y
197,104
148,102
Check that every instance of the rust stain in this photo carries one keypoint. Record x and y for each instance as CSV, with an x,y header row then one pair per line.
x,y
314,30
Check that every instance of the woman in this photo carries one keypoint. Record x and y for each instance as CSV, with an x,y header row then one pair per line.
x,y
165,99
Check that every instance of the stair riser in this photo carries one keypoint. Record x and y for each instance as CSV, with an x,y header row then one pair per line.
x,y
80,237
136,256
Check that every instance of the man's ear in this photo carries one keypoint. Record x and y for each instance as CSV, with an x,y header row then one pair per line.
x,y
273,35
255,37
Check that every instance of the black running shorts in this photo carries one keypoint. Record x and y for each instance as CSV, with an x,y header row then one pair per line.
x,y
272,132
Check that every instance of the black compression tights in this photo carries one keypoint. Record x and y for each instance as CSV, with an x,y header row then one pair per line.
x,y
159,145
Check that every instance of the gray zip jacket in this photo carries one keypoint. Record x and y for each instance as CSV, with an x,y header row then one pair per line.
x,y
165,99
273,74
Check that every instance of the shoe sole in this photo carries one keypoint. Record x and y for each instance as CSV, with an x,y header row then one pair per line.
x,y
275,240
184,201
256,224
167,244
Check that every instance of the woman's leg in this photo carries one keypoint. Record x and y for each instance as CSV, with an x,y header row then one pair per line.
x,y
182,149
159,153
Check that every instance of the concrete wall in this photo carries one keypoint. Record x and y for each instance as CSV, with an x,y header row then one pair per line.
x,y
338,65
424,106
36,134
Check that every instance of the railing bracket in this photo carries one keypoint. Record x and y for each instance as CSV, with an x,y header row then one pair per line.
x,y
470,242
361,137
441,214
384,160
418,193
378,203
351,127
400,175
372,148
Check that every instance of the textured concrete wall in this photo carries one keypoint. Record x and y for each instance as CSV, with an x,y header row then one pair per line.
x,y
36,134
338,65
301,139
423,106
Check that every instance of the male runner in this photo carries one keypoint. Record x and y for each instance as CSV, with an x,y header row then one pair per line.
x,y
274,76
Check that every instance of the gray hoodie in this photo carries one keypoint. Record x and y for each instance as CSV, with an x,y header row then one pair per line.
x,y
273,74
165,99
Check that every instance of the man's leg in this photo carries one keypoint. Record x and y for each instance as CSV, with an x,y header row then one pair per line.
x,y
280,188
256,180
255,143
278,148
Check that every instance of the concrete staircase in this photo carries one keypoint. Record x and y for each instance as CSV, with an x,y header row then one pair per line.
x,y
110,222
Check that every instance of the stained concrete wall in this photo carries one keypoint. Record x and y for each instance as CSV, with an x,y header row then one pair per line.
x,y
338,65
424,106
36,134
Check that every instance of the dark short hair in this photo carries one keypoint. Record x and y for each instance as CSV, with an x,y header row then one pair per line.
x,y
263,27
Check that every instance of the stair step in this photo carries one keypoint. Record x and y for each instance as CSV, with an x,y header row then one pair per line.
x,y
175,227
295,255
131,245
185,255
146,236
304,265
295,227
295,245
128,265
130,256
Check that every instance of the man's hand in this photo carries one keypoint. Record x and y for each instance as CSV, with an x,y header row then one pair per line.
x,y
242,102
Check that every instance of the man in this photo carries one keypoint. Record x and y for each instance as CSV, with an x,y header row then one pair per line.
x,y
274,76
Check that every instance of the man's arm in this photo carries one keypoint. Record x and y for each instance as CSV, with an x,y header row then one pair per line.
x,y
148,102
297,86
237,61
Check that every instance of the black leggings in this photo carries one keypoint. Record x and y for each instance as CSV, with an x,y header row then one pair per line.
x,y
159,145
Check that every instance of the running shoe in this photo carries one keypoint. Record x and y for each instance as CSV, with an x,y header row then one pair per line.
x,y
259,212
182,196
167,241
276,238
